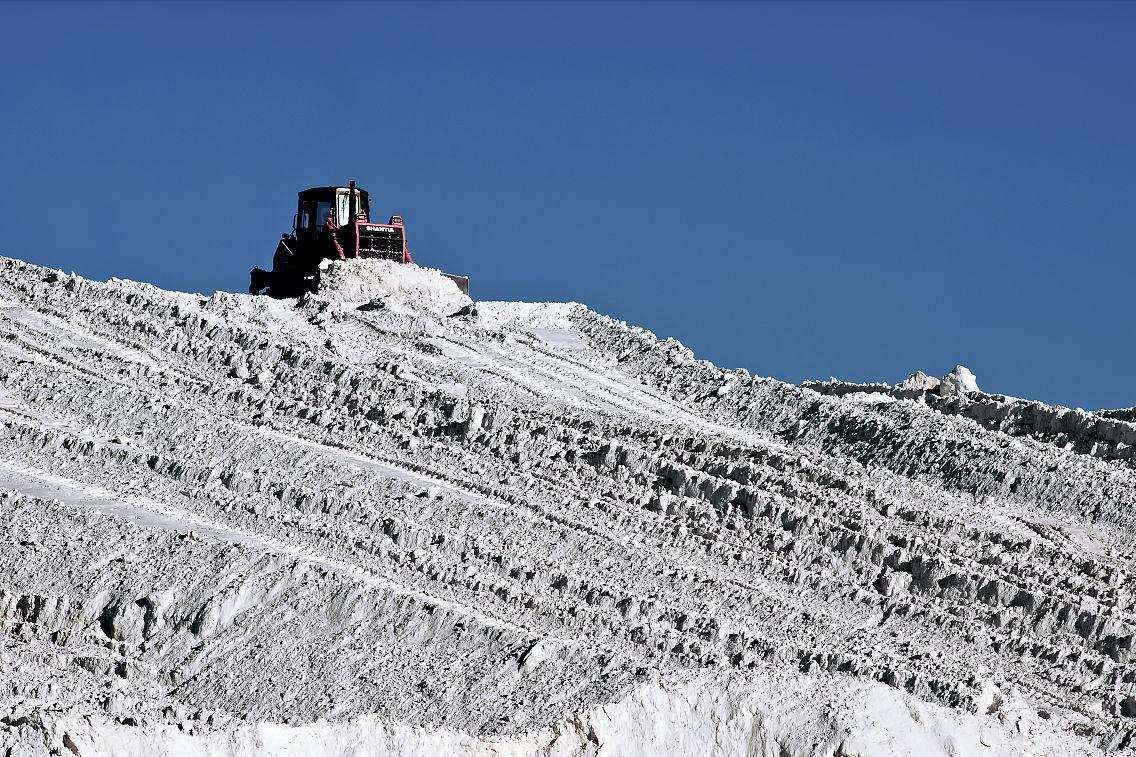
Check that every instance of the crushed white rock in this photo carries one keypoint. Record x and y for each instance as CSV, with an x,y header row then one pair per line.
x,y
359,523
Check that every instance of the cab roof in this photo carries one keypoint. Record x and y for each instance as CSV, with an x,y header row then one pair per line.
x,y
329,190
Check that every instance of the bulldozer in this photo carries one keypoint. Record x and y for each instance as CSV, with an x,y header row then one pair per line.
x,y
331,222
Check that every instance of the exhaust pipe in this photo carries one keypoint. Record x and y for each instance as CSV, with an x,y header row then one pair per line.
x,y
351,218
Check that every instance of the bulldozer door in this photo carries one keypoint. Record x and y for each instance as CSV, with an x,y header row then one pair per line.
x,y
343,206
307,215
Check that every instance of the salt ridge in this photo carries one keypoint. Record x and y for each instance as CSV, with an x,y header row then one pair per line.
x,y
383,519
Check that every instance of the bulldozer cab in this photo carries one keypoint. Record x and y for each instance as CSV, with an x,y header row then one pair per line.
x,y
316,204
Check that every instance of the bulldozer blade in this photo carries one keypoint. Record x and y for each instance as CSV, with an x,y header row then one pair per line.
x,y
461,281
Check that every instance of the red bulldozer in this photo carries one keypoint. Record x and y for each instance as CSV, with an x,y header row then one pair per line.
x,y
331,223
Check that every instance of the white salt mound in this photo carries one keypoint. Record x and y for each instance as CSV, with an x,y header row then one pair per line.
x,y
764,713
920,382
351,525
959,381
422,289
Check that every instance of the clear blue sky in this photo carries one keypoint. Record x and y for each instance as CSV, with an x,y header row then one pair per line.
x,y
805,190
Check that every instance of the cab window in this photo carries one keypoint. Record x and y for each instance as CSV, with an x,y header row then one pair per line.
x,y
343,209
323,209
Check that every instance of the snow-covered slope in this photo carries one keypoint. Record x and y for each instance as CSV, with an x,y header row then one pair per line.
x,y
383,520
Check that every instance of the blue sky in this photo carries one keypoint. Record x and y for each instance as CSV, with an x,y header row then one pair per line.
x,y
805,190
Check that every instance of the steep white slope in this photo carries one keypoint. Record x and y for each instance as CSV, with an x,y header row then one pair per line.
x,y
384,518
